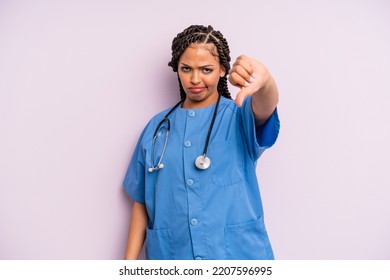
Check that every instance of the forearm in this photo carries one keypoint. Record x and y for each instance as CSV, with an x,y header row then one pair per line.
x,y
137,231
264,101
253,78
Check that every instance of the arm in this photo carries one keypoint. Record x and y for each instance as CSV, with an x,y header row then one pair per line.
x,y
137,231
254,79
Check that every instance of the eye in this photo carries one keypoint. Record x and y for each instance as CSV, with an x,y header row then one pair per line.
x,y
185,69
207,70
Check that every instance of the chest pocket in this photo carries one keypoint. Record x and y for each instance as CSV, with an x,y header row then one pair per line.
x,y
226,164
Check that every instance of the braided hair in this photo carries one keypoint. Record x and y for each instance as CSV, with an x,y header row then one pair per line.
x,y
203,35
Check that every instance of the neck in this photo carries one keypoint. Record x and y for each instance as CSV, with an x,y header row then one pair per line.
x,y
193,104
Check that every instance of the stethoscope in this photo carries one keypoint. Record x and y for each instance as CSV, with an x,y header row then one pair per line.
x,y
201,162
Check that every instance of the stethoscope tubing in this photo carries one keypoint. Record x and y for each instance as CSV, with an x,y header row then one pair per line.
x,y
160,164
198,159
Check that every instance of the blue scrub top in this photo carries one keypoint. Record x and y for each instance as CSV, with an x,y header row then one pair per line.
x,y
204,214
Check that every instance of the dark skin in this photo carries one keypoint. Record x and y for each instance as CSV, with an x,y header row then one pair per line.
x,y
253,78
200,85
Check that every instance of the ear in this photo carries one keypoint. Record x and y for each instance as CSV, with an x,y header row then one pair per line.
x,y
222,72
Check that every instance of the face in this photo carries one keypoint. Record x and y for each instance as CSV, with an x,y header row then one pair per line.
x,y
199,72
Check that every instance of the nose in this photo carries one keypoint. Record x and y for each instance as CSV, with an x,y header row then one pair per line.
x,y
195,78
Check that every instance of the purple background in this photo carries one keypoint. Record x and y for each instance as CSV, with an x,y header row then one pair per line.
x,y
80,79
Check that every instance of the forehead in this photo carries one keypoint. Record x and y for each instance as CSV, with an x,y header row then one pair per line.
x,y
199,54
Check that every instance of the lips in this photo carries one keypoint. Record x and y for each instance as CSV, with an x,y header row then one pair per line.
x,y
196,89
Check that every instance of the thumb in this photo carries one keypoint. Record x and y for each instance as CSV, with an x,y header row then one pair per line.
x,y
244,92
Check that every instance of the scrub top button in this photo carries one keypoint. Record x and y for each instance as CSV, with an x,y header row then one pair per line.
x,y
187,144
191,113
194,222
190,182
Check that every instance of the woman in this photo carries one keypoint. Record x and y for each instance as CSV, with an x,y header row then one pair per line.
x,y
193,172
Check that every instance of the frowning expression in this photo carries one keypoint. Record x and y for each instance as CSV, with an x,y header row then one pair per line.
x,y
199,72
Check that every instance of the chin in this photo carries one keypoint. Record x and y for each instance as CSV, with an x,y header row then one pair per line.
x,y
195,97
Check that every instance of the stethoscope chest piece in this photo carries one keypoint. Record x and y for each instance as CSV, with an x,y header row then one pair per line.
x,y
202,162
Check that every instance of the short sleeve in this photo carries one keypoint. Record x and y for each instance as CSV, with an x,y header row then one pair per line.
x,y
134,181
259,138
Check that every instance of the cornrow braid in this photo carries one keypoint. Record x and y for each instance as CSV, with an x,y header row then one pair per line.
x,y
203,35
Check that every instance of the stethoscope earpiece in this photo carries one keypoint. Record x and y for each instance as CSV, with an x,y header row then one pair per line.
x,y
159,166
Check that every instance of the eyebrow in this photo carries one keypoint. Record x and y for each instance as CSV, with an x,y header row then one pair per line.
x,y
203,66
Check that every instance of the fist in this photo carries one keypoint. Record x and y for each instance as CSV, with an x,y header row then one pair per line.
x,y
249,75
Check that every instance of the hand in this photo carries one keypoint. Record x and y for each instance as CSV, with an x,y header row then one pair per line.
x,y
249,75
